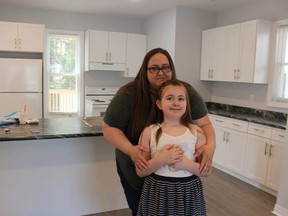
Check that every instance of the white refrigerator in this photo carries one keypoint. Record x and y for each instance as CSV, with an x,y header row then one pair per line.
x,y
20,86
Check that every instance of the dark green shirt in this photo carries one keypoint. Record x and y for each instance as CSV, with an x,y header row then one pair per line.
x,y
118,115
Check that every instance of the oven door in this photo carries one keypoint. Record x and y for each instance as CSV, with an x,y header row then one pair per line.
x,y
95,109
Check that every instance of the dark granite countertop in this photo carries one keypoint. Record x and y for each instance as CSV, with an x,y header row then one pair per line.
x,y
269,118
53,128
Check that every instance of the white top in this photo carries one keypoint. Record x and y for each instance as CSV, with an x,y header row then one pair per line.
x,y
187,141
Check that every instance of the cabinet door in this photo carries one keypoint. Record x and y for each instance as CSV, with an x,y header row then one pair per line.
x,y
257,158
219,155
213,54
236,151
232,52
274,165
247,52
206,55
8,32
117,47
136,50
98,46
30,37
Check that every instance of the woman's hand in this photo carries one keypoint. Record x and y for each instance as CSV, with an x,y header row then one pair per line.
x,y
136,155
205,153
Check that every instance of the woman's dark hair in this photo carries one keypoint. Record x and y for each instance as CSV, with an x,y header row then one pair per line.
x,y
143,103
157,116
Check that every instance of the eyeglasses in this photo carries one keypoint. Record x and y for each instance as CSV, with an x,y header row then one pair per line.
x,y
156,69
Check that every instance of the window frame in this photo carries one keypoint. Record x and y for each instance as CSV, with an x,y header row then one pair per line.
x,y
272,100
80,93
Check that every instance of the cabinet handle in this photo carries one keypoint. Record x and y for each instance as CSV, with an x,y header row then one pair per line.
x,y
238,74
217,120
19,43
265,152
107,56
237,125
228,136
270,151
15,43
235,74
224,137
212,73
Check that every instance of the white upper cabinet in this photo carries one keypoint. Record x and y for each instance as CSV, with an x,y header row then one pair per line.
x,y
136,50
213,54
105,47
22,37
247,47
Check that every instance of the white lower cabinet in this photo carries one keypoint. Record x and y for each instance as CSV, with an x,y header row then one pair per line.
x,y
257,158
231,143
264,155
252,150
274,164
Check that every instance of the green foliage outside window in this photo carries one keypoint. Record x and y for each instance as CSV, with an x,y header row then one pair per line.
x,y
62,62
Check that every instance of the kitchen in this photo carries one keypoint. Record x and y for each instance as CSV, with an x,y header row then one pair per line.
x,y
189,23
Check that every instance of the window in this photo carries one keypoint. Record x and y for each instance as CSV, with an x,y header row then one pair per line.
x,y
63,73
278,84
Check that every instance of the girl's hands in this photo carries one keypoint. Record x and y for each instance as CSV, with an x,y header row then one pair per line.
x,y
171,154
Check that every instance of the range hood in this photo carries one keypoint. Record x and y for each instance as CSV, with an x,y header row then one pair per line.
x,y
105,66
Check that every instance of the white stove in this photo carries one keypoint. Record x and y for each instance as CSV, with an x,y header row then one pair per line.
x,y
97,99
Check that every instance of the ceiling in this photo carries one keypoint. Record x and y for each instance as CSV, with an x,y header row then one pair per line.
x,y
125,8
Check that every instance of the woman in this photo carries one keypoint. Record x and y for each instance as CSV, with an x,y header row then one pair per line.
x,y
128,114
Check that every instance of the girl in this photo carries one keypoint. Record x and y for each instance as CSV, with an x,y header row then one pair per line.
x,y
172,186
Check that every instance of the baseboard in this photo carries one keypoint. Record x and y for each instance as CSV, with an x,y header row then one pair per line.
x,y
280,211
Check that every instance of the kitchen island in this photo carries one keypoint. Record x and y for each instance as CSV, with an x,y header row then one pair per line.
x,y
57,167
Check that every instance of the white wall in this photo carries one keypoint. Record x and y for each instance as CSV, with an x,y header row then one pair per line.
x,y
189,26
70,21
160,30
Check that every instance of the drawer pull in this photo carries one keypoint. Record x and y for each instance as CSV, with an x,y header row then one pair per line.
x,y
270,151
237,125
256,129
280,135
228,137
265,152
217,120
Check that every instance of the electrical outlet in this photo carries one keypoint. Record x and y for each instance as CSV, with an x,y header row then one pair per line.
x,y
251,98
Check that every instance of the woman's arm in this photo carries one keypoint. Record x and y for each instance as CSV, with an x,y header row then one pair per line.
x,y
206,151
118,139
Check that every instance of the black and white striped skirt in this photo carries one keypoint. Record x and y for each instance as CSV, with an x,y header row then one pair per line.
x,y
172,196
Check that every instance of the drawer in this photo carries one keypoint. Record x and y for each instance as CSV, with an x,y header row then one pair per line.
x,y
238,125
278,134
219,120
260,130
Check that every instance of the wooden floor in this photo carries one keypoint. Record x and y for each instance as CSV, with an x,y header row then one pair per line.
x,y
226,196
